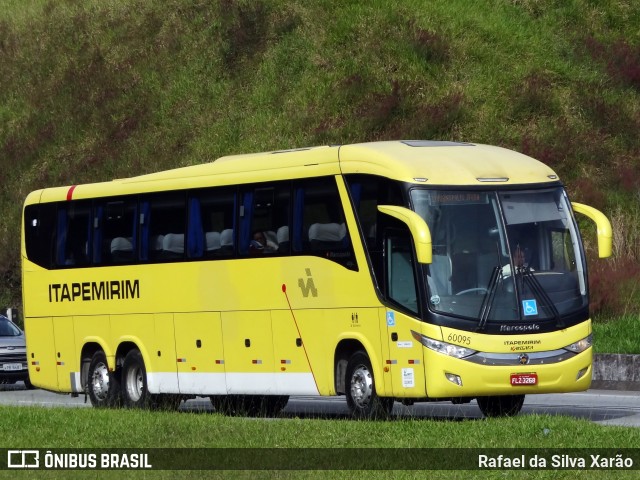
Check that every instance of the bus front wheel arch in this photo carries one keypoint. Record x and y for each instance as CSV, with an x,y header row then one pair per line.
x,y
362,399
103,385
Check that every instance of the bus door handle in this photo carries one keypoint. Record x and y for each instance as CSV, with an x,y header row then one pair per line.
x,y
394,337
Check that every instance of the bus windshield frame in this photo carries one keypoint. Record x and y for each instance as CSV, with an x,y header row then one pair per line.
x,y
504,261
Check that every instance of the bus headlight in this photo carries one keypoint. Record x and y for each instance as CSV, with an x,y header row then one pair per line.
x,y
580,345
443,347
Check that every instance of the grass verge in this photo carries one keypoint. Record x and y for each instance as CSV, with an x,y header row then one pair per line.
x,y
36,427
619,335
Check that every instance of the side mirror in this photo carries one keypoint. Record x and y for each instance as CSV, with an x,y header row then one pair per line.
x,y
603,226
417,226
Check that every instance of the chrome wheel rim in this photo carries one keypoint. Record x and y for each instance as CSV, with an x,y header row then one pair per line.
x,y
135,384
100,382
361,386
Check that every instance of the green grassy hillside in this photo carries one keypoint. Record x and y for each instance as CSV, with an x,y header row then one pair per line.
x,y
100,89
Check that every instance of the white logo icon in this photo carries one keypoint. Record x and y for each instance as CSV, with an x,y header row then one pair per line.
x,y
23,459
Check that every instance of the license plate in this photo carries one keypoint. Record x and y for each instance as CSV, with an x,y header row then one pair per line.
x,y
523,379
11,367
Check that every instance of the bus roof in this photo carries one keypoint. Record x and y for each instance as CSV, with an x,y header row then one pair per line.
x,y
444,163
413,161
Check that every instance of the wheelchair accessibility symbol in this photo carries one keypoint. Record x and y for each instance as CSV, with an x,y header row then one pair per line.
x,y
530,307
391,319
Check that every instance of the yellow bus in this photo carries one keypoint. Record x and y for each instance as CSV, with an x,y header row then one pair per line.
x,y
402,270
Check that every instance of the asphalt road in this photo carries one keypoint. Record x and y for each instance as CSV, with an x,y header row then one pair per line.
x,y
607,407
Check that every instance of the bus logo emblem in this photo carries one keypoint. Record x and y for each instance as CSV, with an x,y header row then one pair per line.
x,y
523,359
308,286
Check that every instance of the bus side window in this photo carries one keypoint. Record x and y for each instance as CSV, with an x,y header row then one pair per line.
x,y
367,192
320,223
40,233
119,231
217,220
163,223
264,220
400,272
74,234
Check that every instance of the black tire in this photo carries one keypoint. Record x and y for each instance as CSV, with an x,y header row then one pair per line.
x,y
501,406
103,386
362,399
135,393
27,384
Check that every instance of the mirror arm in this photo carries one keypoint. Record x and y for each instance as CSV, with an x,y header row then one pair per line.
x,y
417,226
603,228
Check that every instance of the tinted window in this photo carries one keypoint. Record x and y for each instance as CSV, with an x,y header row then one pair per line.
x,y
163,226
320,224
264,219
217,220
40,233
117,222
74,234
8,329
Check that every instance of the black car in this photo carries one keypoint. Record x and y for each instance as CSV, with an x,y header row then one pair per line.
x,y
13,353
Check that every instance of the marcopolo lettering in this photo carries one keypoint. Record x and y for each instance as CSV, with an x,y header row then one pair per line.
x,y
90,291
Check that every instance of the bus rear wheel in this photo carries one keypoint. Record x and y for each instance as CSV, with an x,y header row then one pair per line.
x,y
362,399
103,386
135,393
501,406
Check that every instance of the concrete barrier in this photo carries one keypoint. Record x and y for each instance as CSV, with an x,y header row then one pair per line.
x,y
614,371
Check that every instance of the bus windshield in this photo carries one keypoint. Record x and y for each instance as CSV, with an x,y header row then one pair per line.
x,y
509,256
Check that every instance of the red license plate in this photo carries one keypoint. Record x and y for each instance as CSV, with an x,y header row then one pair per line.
x,y
524,379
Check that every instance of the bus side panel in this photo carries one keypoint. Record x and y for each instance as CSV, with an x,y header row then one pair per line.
x,y
248,348
199,353
323,329
384,385
164,378
41,353
406,356
67,361
293,371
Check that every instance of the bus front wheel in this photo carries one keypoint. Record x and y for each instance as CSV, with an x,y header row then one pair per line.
x,y
501,406
103,386
362,399
135,393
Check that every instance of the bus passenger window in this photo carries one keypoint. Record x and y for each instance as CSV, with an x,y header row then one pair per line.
x,y
119,228
264,219
74,231
217,220
324,232
163,227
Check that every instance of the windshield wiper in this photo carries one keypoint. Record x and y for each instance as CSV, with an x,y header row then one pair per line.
x,y
487,301
536,288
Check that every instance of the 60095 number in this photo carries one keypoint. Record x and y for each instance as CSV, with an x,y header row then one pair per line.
x,y
460,339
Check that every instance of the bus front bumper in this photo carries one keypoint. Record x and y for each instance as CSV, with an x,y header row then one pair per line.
x,y
453,377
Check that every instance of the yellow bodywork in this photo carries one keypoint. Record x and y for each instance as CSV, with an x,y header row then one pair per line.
x,y
272,325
